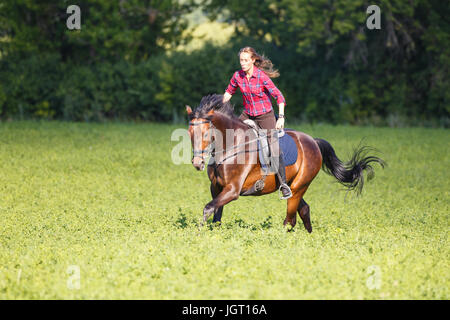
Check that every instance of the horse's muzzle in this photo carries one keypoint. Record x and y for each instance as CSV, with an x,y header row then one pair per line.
x,y
198,163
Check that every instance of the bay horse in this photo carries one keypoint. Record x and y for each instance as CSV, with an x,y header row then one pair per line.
x,y
229,179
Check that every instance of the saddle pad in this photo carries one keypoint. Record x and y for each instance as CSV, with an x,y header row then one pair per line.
x,y
288,148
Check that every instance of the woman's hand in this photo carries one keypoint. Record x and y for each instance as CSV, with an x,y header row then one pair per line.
x,y
226,97
280,124
280,121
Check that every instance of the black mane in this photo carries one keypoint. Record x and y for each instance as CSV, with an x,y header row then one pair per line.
x,y
214,101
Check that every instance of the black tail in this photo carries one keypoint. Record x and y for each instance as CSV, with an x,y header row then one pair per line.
x,y
350,174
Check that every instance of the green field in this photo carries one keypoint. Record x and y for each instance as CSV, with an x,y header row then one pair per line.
x,y
106,200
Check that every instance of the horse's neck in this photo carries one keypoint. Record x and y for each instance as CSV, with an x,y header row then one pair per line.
x,y
222,123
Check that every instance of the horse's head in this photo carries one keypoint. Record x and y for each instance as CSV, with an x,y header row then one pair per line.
x,y
201,136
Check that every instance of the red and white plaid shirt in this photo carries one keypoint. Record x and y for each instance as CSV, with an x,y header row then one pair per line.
x,y
256,92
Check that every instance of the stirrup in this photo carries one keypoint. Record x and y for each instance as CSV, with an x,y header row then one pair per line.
x,y
282,197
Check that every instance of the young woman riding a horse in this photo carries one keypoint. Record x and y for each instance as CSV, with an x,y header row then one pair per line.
x,y
231,179
256,86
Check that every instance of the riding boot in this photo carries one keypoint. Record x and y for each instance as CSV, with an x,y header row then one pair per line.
x,y
285,190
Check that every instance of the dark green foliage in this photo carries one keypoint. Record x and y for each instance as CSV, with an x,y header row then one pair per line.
x,y
131,30
108,69
155,89
333,69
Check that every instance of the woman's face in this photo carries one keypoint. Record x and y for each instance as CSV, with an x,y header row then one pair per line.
x,y
246,61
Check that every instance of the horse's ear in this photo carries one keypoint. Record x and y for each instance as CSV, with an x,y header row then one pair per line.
x,y
210,112
188,110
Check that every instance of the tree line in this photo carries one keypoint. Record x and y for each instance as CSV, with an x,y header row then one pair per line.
x,y
122,63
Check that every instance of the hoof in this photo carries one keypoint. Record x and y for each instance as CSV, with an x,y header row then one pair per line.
x,y
217,224
288,227
207,212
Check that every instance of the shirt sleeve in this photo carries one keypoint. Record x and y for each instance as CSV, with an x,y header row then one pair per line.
x,y
231,89
273,90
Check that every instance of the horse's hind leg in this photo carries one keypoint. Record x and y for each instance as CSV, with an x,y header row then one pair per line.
x,y
291,215
297,204
303,212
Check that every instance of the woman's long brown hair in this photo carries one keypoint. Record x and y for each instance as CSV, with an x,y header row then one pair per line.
x,y
261,62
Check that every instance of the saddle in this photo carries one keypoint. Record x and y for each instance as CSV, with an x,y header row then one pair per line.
x,y
288,149
263,144
263,154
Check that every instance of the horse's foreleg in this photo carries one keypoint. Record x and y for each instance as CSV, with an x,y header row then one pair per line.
x,y
215,190
218,216
228,194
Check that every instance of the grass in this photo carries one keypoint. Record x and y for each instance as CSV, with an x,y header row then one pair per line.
x,y
107,199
